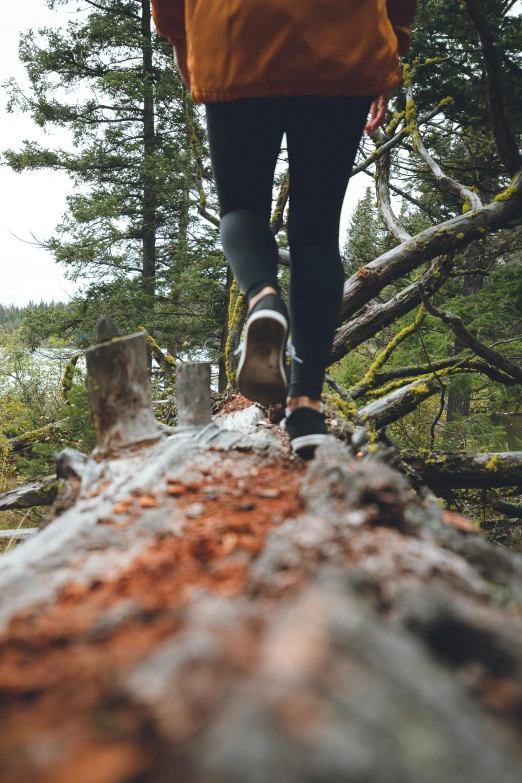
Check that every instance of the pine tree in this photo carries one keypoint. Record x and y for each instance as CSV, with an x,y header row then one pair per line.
x,y
132,229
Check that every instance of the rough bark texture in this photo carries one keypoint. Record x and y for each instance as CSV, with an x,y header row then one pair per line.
x,y
460,470
119,392
210,610
38,493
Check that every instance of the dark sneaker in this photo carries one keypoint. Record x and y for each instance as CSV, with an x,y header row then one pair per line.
x,y
261,372
306,429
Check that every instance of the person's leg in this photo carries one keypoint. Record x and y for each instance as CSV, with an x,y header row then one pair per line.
x,y
245,139
323,135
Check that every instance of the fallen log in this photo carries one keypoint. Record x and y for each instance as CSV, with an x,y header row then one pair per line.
x,y
28,439
399,403
511,510
458,470
211,610
38,493
21,532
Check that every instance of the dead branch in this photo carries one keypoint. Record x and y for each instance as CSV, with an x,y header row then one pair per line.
x,y
495,358
447,183
382,189
166,362
511,510
28,439
411,372
68,376
393,142
399,403
454,470
370,320
276,222
38,493
437,240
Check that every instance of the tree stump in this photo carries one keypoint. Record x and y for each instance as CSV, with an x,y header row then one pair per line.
x,y
119,393
193,394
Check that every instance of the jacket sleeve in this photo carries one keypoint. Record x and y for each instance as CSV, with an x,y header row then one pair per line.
x,y
169,18
401,13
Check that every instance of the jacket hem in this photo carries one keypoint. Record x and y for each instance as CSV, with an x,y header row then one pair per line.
x,y
264,90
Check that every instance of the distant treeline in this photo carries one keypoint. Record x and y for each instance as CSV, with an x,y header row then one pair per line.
x,y
11,317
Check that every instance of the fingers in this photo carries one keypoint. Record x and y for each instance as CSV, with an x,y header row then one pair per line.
x,y
377,113
180,58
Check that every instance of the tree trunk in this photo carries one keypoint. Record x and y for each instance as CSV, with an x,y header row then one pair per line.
x,y
211,611
222,378
459,400
149,145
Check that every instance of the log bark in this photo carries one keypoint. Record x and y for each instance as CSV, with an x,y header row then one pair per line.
x,y
38,493
119,393
193,394
211,610
383,412
446,237
467,471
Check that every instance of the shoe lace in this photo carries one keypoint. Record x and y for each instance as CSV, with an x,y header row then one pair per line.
x,y
291,353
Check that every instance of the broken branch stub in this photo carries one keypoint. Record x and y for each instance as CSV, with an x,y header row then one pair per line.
x,y
119,393
193,394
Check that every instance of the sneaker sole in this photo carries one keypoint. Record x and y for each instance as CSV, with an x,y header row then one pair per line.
x,y
306,445
261,374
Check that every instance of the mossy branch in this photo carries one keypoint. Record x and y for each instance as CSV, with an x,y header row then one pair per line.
x,y
68,376
166,362
237,312
38,493
495,358
383,357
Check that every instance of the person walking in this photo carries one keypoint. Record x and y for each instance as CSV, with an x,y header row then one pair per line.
x,y
313,69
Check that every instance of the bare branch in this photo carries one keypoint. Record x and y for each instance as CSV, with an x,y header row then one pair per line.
x,y
458,470
446,183
443,366
389,145
398,404
451,235
372,319
491,356
382,189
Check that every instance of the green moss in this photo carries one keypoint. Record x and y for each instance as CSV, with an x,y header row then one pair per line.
x,y
383,357
348,410
507,193
492,464
422,388
407,74
397,117
445,101
235,305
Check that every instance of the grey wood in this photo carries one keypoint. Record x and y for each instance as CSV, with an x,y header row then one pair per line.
x,y
193,394
119,393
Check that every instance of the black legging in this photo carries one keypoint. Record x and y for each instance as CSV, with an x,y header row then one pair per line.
x,y
322,134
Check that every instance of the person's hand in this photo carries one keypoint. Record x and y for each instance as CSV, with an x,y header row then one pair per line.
x,y
377,113
180,58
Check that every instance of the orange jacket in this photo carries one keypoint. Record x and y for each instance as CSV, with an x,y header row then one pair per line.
x,y
249,48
